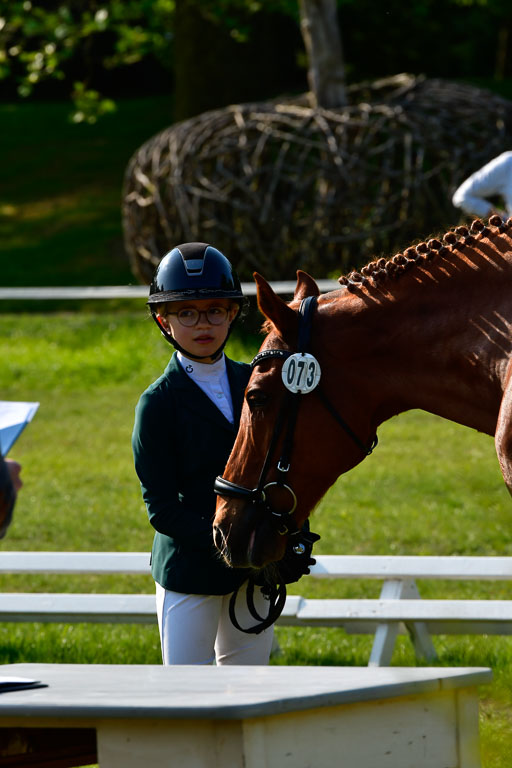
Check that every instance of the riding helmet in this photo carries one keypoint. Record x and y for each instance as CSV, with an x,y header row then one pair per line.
x,y
194,271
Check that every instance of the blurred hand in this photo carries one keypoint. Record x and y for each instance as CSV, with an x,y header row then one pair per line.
x,y
14,471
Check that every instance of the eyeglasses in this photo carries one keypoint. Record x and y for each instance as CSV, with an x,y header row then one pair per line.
x,y
190,317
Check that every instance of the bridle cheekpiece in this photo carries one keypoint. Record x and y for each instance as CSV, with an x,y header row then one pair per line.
x,y
301,375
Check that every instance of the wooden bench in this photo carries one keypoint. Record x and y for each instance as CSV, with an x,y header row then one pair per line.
x,y
399,607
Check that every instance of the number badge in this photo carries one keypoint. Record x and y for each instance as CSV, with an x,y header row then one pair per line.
x,y
301,373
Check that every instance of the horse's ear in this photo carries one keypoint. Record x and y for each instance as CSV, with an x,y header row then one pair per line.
x,y
305,287
274,308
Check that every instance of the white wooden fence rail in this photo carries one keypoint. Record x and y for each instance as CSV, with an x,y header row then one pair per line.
x,y
44,293
399,607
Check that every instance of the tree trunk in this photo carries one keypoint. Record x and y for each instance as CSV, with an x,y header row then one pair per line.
x,y
326,74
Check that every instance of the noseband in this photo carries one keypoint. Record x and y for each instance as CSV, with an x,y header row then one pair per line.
x,y
301,374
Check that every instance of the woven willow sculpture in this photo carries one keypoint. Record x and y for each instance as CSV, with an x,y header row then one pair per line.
x,y
279,185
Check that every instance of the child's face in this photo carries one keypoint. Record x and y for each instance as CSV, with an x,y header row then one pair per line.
x,y
205,337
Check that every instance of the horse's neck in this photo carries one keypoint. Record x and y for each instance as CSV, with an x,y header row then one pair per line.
x,y
439,342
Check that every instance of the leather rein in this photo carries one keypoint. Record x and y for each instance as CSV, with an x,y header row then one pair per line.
x,y
302,370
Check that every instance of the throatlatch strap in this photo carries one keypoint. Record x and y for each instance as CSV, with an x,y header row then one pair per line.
x,y
366,449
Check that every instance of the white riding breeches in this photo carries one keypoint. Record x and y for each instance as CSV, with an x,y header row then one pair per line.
x,y
196,629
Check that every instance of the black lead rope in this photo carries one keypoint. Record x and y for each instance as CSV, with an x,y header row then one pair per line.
x,y
276,598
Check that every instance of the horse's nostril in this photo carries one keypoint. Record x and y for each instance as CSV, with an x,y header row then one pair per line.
x,y
218,538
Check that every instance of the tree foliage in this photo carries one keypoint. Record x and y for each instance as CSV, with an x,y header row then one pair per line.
x,y
72,41
76,47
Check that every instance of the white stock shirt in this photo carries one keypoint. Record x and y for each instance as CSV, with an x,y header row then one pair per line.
x,y
212,378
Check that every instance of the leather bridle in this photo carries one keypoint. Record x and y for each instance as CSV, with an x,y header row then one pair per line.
x,y
284,522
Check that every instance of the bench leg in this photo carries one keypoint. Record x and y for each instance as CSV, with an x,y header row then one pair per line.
x,y
386,634
384,644
420,637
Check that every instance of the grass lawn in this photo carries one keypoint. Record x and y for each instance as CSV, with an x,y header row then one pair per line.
x,y
431,487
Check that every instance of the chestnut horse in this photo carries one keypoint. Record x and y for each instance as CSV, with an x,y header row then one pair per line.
x,y
430,328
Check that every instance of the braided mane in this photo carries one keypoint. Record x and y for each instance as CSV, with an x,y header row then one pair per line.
x,y
382,269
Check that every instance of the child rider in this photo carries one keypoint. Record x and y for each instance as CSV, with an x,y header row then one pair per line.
x,y
185,426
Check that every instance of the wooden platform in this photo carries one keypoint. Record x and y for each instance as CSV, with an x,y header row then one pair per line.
x,y
243,717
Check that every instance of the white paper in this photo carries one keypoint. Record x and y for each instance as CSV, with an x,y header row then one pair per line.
x,y
10,680
8,684
14,417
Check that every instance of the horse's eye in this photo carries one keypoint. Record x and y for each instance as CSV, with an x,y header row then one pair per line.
x,y
257,398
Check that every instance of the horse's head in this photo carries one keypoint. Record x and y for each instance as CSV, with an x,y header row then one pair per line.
x,y
261,500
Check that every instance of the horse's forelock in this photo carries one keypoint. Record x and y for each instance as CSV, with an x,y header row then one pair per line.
x,y
267,327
